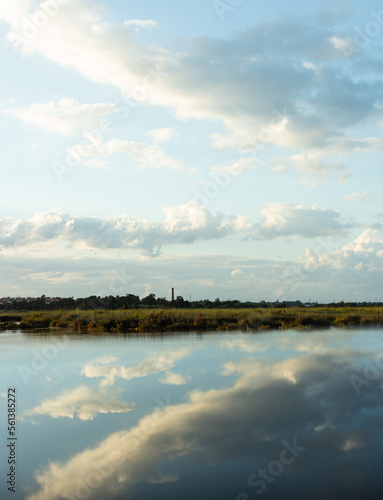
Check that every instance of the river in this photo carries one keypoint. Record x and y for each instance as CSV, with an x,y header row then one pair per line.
x,y
227,415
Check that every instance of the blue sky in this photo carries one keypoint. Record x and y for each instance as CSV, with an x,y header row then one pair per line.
x,y
229,148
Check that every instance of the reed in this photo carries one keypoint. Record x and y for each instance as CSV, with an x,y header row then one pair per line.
x,y
151,320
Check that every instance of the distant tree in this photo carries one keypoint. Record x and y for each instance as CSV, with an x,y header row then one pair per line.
x,y
179,302
150,300
163,302
132,300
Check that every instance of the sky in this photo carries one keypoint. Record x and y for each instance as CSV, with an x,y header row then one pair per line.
x,y
228,149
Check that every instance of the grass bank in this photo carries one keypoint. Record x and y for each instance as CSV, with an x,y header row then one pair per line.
x,y
151,320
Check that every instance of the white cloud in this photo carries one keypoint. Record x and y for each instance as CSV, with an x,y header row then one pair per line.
x,y
343,45
77,37
288,219
66,117
353,272
327,266
95,163
162,134
313,166
297,60
236,272
186,223
237,167
182,224
145,155
140,23
357,197
83,402
363,255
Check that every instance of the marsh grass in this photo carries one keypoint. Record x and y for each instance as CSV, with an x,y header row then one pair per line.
x,y
150,320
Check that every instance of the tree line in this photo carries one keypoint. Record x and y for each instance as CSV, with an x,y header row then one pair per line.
x,y
130,301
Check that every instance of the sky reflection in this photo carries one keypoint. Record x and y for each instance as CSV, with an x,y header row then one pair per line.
x,y
280,418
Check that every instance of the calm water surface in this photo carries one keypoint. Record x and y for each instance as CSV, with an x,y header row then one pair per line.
x,y
228,416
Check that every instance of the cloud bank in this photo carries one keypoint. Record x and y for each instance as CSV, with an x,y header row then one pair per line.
x,y
186,223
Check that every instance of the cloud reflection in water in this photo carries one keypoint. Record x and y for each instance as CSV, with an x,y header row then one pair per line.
x,y
229,433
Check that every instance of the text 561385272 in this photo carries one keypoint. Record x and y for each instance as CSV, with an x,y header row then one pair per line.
x,y
11,440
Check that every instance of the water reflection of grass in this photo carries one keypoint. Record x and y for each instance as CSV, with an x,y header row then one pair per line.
x,y
148,320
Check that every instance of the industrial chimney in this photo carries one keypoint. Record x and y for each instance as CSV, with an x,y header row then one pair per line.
x,y
172,294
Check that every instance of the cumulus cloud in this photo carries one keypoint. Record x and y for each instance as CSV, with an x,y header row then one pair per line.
x,y
64,118
145,155
83,402
237,167
76,36
289,89
353,271
327,265
162,134
288,219
365,251
357,197
314,167
182,224
361,258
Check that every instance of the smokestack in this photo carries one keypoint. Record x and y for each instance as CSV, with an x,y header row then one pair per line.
x,y
172,294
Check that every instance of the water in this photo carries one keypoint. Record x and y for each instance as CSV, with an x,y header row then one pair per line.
x,y
215,416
